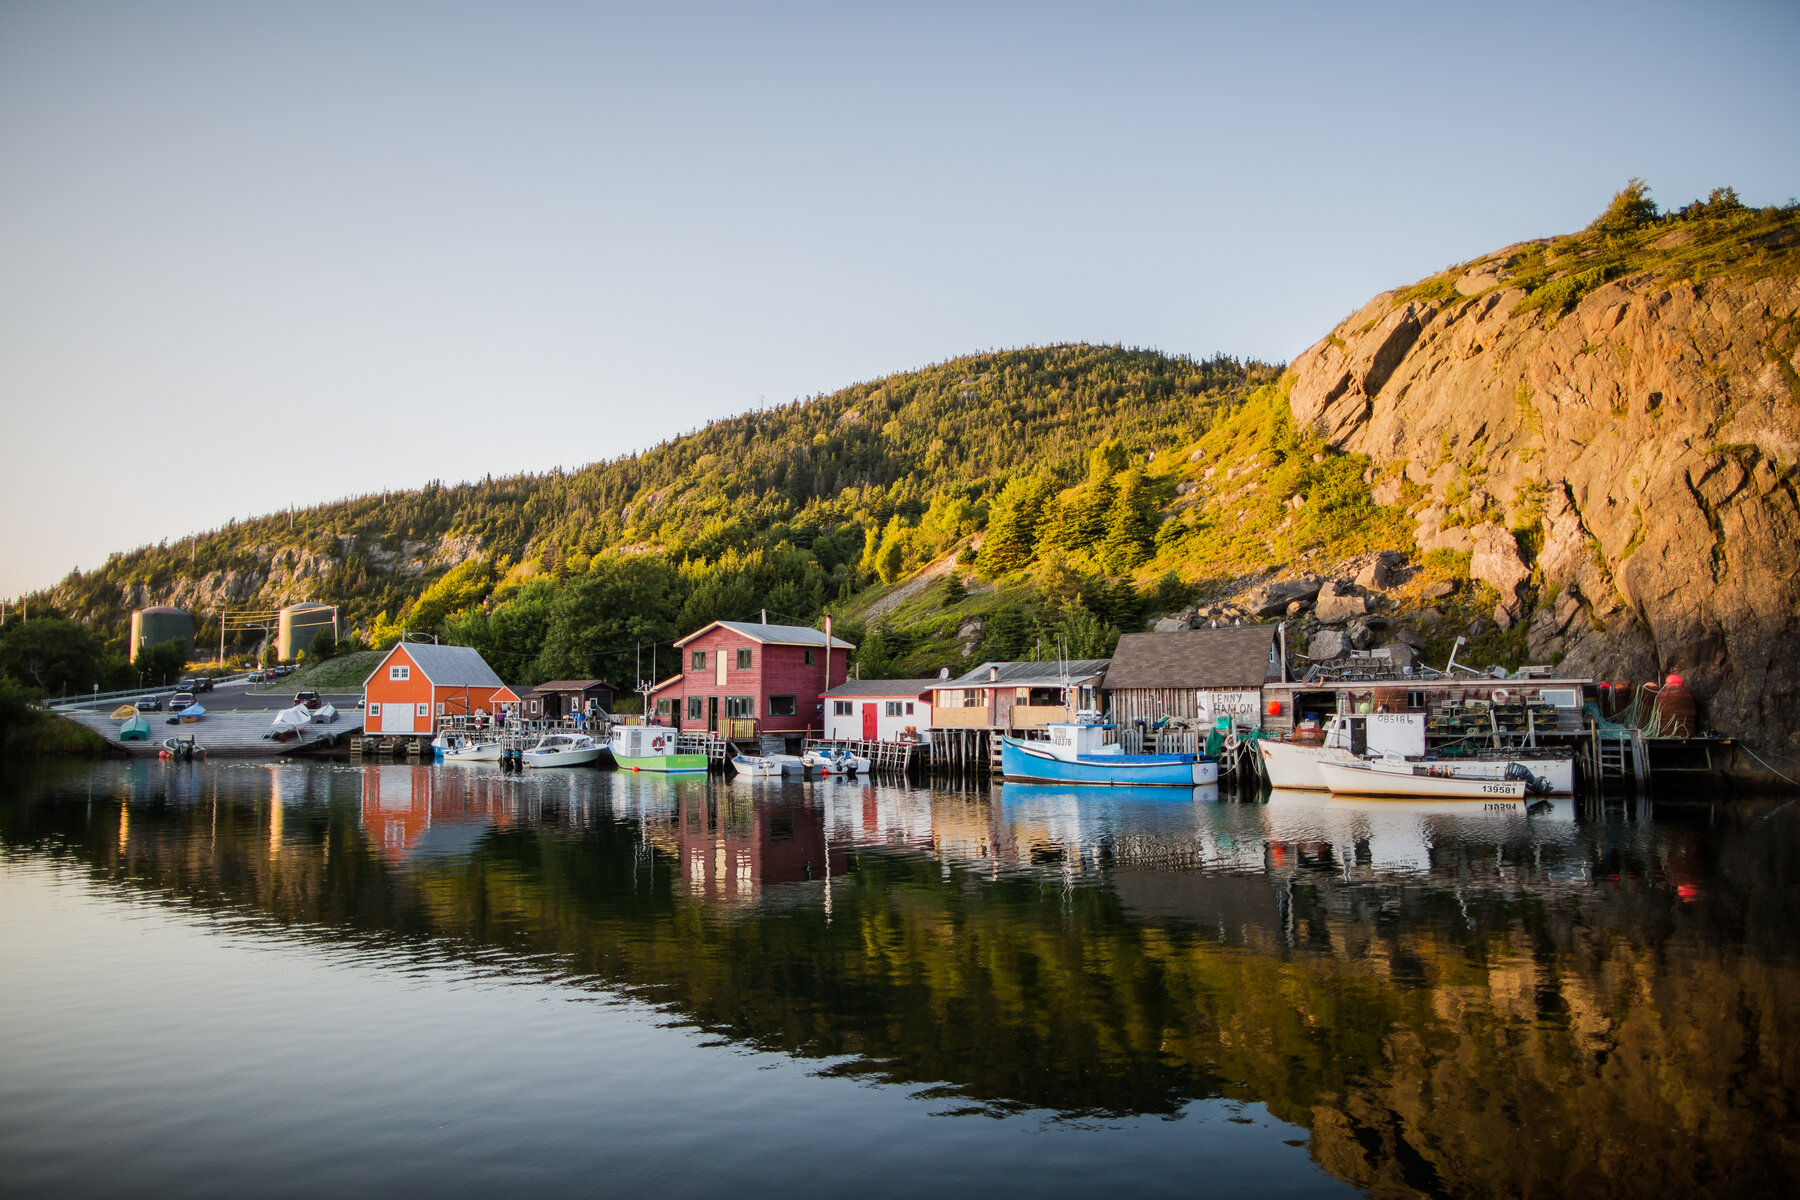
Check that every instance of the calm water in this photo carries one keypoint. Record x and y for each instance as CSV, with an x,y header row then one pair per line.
x,y
299,980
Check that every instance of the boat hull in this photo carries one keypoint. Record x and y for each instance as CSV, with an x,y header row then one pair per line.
x,y
671,763
1018,761
1293,766
486,752
561,758
1363,781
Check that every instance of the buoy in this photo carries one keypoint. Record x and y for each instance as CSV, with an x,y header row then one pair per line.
x,y
1274,708
634,769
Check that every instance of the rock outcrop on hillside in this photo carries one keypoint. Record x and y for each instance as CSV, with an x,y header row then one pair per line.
x,y
1622,472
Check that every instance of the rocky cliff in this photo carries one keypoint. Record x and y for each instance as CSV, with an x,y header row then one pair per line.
x,y
1608,424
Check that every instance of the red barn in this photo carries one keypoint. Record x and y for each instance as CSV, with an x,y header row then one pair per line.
x,y
742,679
417,683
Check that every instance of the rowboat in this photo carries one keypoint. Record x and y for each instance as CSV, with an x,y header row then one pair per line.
x,y
1406,779
755,766
1081,753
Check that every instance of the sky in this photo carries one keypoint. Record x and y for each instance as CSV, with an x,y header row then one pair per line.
x,y
255,255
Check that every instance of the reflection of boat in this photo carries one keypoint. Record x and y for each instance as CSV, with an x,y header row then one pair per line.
x,y
1360,737
563,750
836,762
135,729
651,748
754,766
1012,793
1399,778
1080,753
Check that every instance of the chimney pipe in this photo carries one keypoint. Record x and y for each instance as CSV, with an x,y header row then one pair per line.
x,y
993,674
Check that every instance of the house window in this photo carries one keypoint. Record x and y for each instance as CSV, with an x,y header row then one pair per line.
x,y
1044,697
783,706
744,660
665,708
441,709
809,658
740,706
424,710
842,708
893,708
696,710
375,710
973,698
534,706
697,660
1415,699
909,708
399,674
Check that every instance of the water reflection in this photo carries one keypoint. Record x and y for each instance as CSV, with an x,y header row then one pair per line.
x,y
1453,999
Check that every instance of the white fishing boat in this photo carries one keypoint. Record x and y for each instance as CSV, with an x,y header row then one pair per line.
x,y
1397,777
1355,738
836,762
791,764
564,750
755,766
462,749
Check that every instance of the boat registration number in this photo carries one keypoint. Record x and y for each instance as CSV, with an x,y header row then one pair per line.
x,y
1496,789
1500,807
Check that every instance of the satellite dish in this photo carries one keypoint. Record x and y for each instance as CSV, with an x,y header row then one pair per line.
x,y
943,672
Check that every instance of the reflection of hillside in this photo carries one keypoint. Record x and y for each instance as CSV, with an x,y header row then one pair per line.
x,y
1533,1010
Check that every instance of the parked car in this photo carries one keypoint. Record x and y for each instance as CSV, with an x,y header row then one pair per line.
x,y
180,700
310,699
147,704
203,684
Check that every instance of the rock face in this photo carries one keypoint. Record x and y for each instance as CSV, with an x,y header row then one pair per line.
x,y
1336,605
1643,440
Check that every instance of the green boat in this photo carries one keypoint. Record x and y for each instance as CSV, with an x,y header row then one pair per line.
x,y
651,748
134,729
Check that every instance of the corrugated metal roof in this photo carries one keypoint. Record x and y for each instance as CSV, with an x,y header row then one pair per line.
x,y
449,666
882,687
1241,656
785,635
1025,674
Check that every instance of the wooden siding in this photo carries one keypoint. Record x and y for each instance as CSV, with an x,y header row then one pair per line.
x,y
775,670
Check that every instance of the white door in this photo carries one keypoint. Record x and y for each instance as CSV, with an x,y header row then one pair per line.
x,y
396,718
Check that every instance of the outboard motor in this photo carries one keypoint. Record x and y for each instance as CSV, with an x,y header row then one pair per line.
x,y
1533,785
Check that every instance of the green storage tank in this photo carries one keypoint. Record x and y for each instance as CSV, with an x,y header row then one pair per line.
x,y
158,624
298,624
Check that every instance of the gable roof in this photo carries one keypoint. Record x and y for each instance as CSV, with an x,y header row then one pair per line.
x,y
780,635
910,688
1242,656
444,666
574,685
1026,674
669,682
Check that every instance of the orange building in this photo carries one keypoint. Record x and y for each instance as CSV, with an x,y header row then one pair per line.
x,y
417,683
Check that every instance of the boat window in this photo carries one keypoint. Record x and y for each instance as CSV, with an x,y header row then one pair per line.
x,y
783,706
697,660
743,660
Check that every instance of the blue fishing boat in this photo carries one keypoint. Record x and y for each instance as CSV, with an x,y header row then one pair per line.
x,y
1082,753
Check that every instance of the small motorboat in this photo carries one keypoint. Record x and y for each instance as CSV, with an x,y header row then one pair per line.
x,y
181,748
1082,752
755,766
791,764
836,762
563,750
461,749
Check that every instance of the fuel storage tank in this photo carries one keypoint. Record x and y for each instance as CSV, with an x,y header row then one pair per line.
x,y
298,624
158,624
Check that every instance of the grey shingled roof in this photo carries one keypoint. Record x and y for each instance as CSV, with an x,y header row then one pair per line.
x,y
881,687
785,635
1237,657
448,666
1027,674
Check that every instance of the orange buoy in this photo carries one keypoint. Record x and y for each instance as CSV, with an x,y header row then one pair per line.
x,y
1677,713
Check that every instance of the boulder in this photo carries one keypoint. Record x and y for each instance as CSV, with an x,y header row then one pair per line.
x,y
1360,635
1335,605
1415,640
1496,562
1272,598
1173,625
1327,644
1441,589
1431,617
1503,618
1377,575
1401,654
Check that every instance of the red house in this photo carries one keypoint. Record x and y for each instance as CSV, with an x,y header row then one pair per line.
x,y
742,679
417,683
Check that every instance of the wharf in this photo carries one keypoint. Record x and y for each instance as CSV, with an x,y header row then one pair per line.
x,y
224,734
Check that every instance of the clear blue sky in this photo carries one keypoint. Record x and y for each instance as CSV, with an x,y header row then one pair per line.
x,y
255,254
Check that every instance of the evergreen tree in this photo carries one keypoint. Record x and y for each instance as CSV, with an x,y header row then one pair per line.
x,y
1015,523
1130,524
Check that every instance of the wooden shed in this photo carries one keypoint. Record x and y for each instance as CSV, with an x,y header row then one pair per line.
x,y
1195,675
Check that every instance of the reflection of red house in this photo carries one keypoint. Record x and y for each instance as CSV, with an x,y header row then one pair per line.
x,y
411,810
416,684
728,850
764,678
